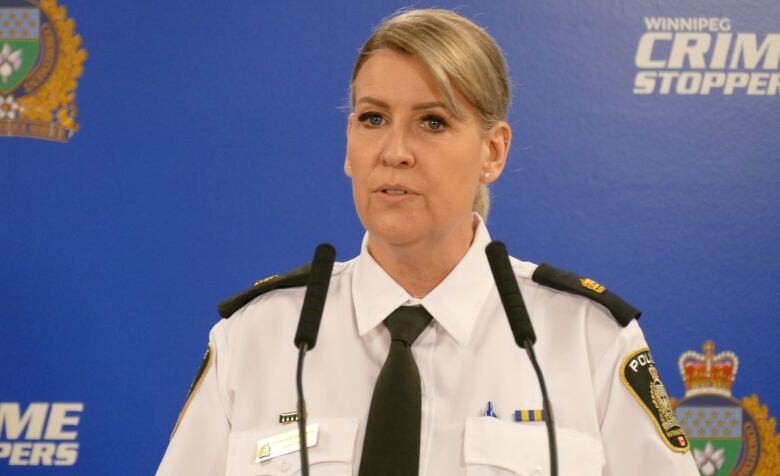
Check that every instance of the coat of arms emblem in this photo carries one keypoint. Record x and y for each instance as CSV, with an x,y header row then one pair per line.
x,y
40,60
727,436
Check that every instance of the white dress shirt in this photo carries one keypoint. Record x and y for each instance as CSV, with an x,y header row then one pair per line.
x,y
467,357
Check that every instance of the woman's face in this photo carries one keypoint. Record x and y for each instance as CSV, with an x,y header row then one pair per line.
x,y
415,167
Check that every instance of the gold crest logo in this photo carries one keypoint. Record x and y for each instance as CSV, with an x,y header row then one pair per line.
x,y
660,400
40,61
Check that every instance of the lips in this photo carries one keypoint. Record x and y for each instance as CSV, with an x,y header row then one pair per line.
x,y
394,189
395,193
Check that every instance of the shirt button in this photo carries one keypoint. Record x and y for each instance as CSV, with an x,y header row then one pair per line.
x,y
284,465
537,472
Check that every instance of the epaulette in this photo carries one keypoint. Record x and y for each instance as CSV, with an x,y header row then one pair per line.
x,y
295,278
561,280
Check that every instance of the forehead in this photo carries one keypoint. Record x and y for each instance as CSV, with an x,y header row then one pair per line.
x,y
400,79
391,75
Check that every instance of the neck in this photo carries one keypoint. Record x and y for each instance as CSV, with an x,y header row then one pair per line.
x,y
419,267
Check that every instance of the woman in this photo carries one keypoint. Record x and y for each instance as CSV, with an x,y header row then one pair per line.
x,y
427,133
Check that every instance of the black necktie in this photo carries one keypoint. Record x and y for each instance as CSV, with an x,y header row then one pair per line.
x,y
392,443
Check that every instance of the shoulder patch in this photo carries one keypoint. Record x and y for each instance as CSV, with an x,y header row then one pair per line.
x,y
561,280
204,366
295,278
639,375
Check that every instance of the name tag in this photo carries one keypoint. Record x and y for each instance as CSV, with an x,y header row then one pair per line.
x,y
285,443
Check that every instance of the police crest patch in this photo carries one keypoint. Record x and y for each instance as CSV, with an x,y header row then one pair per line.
x,y
204,366
640,376
728,436
40,60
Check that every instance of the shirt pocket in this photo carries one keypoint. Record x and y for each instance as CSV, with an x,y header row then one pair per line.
x,y
333,454
492,447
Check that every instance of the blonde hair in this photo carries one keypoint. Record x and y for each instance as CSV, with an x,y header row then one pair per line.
x,y
458,54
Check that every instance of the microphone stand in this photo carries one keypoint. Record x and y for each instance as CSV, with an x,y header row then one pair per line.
x,y
522,329
308,328
548,421
302,412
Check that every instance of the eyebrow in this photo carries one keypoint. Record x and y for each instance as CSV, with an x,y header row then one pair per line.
x,y
373,101
416,107
429,105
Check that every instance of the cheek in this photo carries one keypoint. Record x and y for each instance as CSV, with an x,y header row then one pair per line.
x,y
358,153
460,183
464,170
358,171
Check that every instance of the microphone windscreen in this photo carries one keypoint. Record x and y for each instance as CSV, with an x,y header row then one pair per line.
x,y
506,282
314,299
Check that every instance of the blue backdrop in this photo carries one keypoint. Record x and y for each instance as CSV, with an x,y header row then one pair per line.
x,y
210,155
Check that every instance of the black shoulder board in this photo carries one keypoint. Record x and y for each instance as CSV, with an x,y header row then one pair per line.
x,y
295,278
561,280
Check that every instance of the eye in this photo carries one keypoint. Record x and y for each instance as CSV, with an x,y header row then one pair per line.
x,y
434,123
371,118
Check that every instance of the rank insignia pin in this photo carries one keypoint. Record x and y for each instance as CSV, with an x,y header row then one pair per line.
x,y
265,280
592,285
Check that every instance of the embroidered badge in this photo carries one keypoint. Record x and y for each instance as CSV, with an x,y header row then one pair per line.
x,y
204,366
639,375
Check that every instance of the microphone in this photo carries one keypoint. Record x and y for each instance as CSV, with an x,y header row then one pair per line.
x,y
510,293
314,299
308,328
522,329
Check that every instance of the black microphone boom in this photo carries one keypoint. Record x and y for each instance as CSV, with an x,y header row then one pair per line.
x,y
308,328
523,330
314,299
510,293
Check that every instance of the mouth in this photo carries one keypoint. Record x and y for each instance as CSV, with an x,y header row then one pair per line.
x,y
394,191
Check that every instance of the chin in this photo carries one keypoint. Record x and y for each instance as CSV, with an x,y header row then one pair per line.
x,y
397,232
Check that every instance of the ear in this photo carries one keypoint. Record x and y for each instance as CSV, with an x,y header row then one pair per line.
x,y
347,167
499,138
349,123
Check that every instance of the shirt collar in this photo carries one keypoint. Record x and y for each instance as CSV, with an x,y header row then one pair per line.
x,y
455,303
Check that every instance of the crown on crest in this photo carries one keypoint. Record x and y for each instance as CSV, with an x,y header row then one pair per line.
x,y
709,372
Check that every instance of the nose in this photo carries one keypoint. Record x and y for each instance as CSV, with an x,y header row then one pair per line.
x,y
396,151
